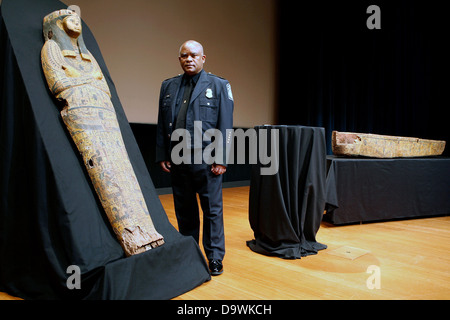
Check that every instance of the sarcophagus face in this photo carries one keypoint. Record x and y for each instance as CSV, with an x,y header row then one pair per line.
x,y
75,79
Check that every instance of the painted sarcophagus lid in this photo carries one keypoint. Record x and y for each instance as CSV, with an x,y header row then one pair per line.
x,y
77,82
383,146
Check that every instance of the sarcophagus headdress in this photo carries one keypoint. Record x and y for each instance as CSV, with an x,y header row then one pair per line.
x,y
75,79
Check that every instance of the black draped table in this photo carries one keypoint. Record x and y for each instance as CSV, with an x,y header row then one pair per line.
x,y
286,208
365,189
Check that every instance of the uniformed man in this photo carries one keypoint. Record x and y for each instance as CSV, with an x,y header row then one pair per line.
x,y
184,101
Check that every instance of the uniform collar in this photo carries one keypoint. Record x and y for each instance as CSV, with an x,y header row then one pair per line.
x,y
194,77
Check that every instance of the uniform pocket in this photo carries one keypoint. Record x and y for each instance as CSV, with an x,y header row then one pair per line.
x,y
208,110
167,101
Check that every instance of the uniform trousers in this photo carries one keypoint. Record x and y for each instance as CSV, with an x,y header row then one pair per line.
x,y
188,180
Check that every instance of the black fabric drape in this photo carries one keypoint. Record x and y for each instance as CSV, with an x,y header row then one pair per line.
x,y
286,208
338,74
363,190
50,217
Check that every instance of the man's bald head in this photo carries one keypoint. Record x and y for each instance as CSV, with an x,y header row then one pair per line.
x,y
191,43
191,57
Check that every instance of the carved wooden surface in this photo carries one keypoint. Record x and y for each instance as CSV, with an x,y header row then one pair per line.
x,y
75,78
383,146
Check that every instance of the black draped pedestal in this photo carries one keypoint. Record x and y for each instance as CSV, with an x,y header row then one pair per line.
x,y
366,189
286,208
50,216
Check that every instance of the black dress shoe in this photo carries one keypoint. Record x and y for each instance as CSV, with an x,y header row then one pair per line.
x,y
216,267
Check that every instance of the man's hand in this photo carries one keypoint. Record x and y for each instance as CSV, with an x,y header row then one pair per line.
x,y
165,166
218,169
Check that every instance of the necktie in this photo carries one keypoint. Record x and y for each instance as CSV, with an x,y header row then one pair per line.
x,y
181,117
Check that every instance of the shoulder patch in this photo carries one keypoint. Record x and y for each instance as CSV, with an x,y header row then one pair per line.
x,y
230,94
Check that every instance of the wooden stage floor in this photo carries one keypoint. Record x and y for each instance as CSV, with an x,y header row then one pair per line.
x,y
411,259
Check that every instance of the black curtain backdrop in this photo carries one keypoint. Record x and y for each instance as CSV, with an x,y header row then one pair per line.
x,y
337,74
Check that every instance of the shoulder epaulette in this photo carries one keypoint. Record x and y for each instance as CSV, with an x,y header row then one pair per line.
x,y
213,75
173,77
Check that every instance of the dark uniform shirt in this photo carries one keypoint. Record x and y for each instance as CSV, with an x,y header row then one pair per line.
x,y
184,82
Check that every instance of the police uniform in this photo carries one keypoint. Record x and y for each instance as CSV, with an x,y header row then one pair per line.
x,y
211,103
